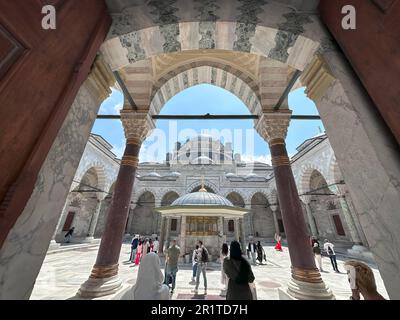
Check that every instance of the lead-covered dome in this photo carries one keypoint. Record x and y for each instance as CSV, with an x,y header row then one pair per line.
x,y
202,199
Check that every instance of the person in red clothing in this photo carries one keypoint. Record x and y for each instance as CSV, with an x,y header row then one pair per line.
x,y
278,239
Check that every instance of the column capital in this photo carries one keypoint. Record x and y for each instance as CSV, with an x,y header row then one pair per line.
x,y
137,126
274,207
338,190
317,78
273,126
101,79
305,199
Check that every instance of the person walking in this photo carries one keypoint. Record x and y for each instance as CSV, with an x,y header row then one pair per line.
x,y
202,257
149,282
172,258
252,249
362,281
195,262
151,246
145,247
224,277
139,252
156,245
68,235
134,246
329,249
317,256
278,240
260,253
240,275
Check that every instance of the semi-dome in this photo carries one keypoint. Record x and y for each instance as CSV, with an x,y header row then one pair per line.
x,y
153,174
174,174
202,199
202,160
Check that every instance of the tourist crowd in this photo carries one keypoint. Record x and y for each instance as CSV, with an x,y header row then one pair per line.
x,y
237,278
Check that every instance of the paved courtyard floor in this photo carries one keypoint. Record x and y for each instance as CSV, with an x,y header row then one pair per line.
x,y
64,271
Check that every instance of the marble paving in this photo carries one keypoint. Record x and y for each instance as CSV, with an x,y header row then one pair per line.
x,y
62,274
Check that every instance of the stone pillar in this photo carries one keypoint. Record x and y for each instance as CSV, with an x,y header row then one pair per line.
x,y
276,224
306,282
53,243
313,227
243,235
162,235
183,236
237,233
220,229
95,218
167,231
104,278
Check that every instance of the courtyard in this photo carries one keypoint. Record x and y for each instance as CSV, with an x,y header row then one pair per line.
x,y
65,269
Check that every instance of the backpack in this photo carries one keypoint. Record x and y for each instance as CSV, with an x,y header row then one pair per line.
x,y
204,255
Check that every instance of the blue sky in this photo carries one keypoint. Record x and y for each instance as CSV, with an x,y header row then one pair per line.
x,y
202,99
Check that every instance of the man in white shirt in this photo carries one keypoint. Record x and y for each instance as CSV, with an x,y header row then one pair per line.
x,y
156,244
328,247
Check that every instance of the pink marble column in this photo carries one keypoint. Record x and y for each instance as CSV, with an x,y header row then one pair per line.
x,y
306,282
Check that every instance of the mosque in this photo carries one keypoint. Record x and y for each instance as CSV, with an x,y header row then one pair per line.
x,y
204,190
55,174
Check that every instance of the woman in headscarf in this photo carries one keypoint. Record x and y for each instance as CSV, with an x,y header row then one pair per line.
x,y
150,281
224,277
239,273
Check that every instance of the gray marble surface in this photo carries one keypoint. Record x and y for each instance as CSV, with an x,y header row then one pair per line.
x,y
25,248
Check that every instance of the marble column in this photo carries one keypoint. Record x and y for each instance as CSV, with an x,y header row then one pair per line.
x,y
162,235
95,218
243,235
53,243
220,229
183,236
104,279
237,233
311,221
274,208
167,231
306,282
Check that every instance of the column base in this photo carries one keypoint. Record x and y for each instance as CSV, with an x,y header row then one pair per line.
x,y
103,281
88,240
99,287
300,290
54,245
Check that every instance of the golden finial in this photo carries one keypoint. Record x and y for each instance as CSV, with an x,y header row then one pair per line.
x,y
202,189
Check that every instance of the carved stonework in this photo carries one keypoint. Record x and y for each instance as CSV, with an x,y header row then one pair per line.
x,y
317,78
101,79
274,125
137,126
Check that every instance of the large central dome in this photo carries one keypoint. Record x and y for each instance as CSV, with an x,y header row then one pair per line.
x,y
202,199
